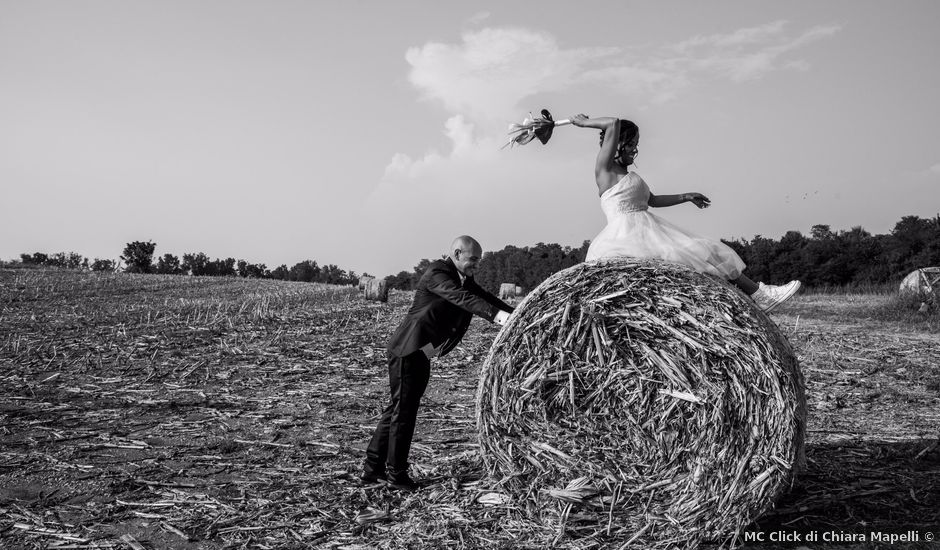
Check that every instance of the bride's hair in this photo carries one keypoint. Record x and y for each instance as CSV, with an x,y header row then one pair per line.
x,y
628,130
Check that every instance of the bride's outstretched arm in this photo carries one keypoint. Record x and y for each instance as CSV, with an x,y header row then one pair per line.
x,y
660,201
600,123
603,168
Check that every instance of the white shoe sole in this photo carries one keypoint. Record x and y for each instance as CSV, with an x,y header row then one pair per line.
x,y
783,298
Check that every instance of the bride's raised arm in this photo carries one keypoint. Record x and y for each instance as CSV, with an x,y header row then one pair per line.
x,y
610,131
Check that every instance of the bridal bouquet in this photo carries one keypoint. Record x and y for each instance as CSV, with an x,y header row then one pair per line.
x,y
533,127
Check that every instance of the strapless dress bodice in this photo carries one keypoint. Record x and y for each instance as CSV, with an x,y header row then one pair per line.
x,y
630,194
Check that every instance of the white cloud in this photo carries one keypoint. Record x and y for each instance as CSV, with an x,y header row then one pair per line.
x,y
478,17
652,83
483,79
747,54
741,37
486,75
490,71
466,148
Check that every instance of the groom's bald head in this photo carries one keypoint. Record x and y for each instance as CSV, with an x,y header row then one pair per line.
x,y
466,242
465,252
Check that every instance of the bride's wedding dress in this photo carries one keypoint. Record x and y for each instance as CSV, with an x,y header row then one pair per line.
x,y
633,231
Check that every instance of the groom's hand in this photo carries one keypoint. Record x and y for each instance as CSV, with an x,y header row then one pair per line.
x,y
501,317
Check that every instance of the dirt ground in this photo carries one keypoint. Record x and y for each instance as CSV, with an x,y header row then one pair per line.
x,y
179,412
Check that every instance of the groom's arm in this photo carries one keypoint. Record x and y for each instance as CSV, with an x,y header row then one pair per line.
x,y
441,283
491,299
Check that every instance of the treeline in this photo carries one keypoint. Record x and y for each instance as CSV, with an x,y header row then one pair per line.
x,y
824,258
844,258
525,266
138,257
69,260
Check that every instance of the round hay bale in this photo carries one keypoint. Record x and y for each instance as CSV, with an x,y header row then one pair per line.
x,y
507,291
364,281
920,283
376,290
638,399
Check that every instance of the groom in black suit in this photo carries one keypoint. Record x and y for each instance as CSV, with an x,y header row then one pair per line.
x,y
446,298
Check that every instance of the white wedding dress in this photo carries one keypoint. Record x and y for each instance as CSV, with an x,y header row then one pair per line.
x,y
633,231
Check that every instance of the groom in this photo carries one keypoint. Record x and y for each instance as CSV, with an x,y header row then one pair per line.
x,y
446,298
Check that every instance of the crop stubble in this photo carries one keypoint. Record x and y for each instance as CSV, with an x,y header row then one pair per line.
x,y
190,412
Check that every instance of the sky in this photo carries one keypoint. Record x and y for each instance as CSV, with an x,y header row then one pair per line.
x,y
368,134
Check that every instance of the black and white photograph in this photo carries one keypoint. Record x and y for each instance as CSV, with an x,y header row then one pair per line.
x,y
415,275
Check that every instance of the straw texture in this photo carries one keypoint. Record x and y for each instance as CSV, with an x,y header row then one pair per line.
x,y
641,402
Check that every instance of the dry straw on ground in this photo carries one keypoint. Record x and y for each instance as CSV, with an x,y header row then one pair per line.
x,y
217,413
642,402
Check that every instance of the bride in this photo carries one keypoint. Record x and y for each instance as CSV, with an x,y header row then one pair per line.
x,y
633,231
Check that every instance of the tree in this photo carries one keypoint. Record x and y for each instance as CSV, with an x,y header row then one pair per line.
x,y
168,264
332,274
307,271
758,257
195,264
821,232
100,265
246,269
37,258
401,281
787,261
820,258
280,273
419,270
139,257
526,266
68,260
582,252
861,252
221,268
909,238
929,256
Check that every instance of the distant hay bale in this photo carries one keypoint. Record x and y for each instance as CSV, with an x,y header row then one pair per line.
x,y
377,290
507,291
364,280
642,400
921,283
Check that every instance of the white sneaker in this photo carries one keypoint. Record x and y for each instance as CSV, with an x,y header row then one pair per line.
x,y
768,297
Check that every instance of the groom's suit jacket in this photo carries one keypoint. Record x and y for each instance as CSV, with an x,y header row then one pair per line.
x,y
442,310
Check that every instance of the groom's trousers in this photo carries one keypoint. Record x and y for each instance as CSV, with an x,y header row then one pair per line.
x,y
391,443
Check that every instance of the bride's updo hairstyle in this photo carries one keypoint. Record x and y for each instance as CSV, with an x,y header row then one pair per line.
x,y
628,130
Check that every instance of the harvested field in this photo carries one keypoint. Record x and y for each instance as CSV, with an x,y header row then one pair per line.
x,y
179,412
